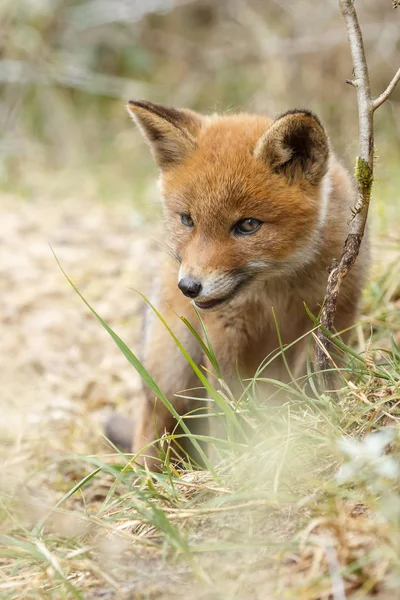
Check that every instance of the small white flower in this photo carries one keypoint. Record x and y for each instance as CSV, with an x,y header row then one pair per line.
x,y
366,459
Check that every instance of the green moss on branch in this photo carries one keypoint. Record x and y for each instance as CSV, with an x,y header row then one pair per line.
x,y
364,175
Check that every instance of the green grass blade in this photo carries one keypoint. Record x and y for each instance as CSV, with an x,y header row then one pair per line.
x,y
134,361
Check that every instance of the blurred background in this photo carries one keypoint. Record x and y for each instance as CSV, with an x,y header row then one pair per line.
x,y
68,66
75,173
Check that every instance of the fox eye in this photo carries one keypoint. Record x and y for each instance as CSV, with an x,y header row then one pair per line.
x,y
247,226
187,220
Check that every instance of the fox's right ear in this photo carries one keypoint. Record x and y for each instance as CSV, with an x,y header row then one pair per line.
x,y
170,132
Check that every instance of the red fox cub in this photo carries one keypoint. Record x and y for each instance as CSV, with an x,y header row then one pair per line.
x,y
255,211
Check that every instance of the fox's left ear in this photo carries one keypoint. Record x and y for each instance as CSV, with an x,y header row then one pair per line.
x,y
295,145
170,132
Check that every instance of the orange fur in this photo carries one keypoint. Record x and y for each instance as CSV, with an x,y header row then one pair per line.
x,y
221,170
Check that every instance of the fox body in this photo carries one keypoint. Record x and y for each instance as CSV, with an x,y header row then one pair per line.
x,y
255,211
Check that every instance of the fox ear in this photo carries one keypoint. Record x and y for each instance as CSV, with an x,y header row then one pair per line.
x,y
171,133
295,145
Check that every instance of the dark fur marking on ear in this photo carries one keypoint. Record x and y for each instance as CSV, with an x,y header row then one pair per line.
x,y
171,133
296,145
301,111
172,115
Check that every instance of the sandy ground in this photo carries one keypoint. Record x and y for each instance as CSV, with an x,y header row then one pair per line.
x,y
56,361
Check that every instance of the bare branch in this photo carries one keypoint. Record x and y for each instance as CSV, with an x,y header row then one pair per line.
x,y
361,78
385,95
364,176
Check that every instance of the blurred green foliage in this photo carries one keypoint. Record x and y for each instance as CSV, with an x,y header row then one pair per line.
x,y
68,66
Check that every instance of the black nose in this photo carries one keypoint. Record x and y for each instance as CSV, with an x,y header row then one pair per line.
x,y
190,287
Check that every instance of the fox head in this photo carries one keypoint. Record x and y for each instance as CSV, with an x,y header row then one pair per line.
x,y
244,196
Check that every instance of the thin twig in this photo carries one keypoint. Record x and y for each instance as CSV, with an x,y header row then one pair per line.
x,y
338,587
385,95
364,177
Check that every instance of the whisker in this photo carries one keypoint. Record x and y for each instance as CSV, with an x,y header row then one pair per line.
x,y
166,248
